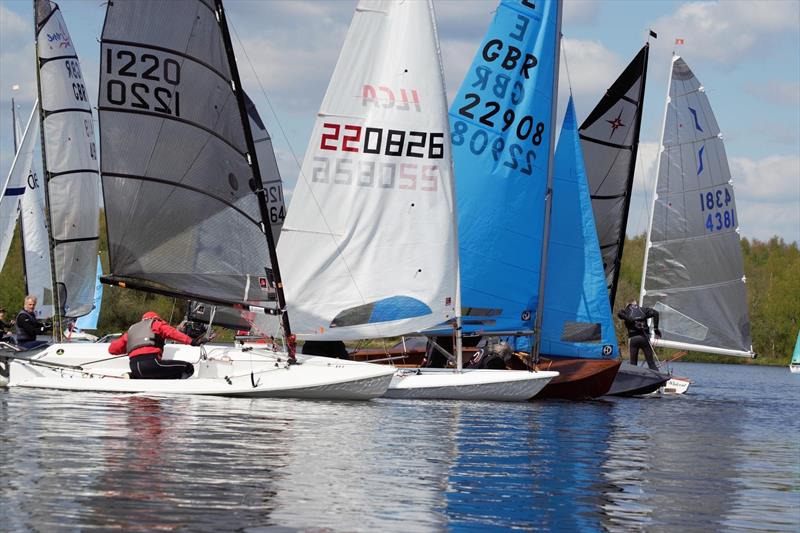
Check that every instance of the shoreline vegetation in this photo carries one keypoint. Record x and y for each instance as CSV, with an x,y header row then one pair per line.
x,y
773,288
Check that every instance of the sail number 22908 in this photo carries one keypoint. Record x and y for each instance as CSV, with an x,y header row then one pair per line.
x,y
153,93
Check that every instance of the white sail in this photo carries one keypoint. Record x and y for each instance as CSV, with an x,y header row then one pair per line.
x,y
693,273
368,246
71,175
14,186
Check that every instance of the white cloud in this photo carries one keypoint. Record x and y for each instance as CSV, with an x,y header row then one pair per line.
x,y
779,93
725,31
16,57
772,180
592,68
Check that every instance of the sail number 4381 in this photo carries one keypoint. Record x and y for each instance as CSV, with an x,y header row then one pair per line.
x,y
717,203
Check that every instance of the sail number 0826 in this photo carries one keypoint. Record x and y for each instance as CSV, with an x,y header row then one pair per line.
x,y
138,95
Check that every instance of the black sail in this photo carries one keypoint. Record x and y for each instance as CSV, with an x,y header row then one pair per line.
x,y
610,139
184,217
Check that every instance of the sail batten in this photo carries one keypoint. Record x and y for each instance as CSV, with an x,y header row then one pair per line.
x,y
693,272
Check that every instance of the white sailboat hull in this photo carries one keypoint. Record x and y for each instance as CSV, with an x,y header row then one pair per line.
x,y
794,368
469,384
225,371
676,385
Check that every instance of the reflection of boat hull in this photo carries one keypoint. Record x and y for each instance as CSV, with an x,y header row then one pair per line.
x,y
578,379
794,368
225,371
635,381
469,384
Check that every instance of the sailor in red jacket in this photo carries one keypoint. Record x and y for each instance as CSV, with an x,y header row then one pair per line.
x,y
144,344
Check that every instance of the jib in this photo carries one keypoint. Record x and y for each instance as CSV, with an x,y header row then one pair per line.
x,y
492,51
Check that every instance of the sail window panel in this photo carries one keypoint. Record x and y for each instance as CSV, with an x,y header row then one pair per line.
x,y
692,263
188,27
581,332
77,290
727,322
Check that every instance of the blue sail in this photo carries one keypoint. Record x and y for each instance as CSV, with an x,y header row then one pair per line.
x,y
577,320
89,321
501,124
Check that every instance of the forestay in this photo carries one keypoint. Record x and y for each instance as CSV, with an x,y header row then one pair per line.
x,y
70,160
13,188
693,266
501,134
368,248
181,198
577,319
610,141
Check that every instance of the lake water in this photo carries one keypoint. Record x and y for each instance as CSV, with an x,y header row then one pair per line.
x,y
724,457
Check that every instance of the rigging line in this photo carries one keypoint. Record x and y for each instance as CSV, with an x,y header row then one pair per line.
x,y
300,167
566,65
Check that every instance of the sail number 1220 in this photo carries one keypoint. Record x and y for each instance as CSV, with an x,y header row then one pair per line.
x,y
140,95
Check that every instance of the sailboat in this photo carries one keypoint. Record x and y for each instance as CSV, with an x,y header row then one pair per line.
x,y
374,207
693,268
185,208
794,366
78,330
610,141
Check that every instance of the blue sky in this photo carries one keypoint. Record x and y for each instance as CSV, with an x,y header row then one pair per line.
x,y
746,54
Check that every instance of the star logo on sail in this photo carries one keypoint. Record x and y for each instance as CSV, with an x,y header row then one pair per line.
x,y
616,123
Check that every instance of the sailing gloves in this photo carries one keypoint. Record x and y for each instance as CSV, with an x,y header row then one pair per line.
x,y
198,341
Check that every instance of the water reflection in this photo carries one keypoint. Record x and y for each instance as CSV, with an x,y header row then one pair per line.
x,y
722,458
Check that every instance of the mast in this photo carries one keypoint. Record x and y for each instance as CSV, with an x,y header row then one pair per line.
x,y
253,160
548,199
631,169
57,331
655,183
14,122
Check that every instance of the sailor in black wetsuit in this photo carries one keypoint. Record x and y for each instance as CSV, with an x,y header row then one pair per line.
x,y
28,326
635,318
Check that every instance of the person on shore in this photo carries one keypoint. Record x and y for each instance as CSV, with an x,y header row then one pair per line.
x,y
636,318
144,344
28,326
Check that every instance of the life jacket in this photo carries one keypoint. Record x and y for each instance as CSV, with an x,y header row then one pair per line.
x,y
22,335
636,320
141,334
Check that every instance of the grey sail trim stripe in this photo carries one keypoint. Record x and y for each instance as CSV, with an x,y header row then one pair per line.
x,y
168,51
44,60
607,197
629,100
51,175
176,119
694,141
183,186
649,292
605,143
77,239
47,113
715,235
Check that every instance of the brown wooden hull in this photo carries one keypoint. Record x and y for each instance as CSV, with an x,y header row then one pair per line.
x,y
579,379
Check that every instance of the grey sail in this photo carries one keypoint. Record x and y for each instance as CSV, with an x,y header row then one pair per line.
x,y
609,140
270,175
694,273
70,161
184,202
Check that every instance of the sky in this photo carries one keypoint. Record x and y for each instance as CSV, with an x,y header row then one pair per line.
x,y
745,53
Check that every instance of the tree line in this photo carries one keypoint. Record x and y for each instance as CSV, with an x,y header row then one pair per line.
x,y
772,269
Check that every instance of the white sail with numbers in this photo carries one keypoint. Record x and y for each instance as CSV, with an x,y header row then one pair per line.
x,y
693,272
70,177
368,248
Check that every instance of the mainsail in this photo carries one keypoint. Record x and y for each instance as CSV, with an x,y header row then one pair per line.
x,y
693,270
369,243
70,161
89,321
502,134
270,175
577,319
610,140
184,203
16,182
